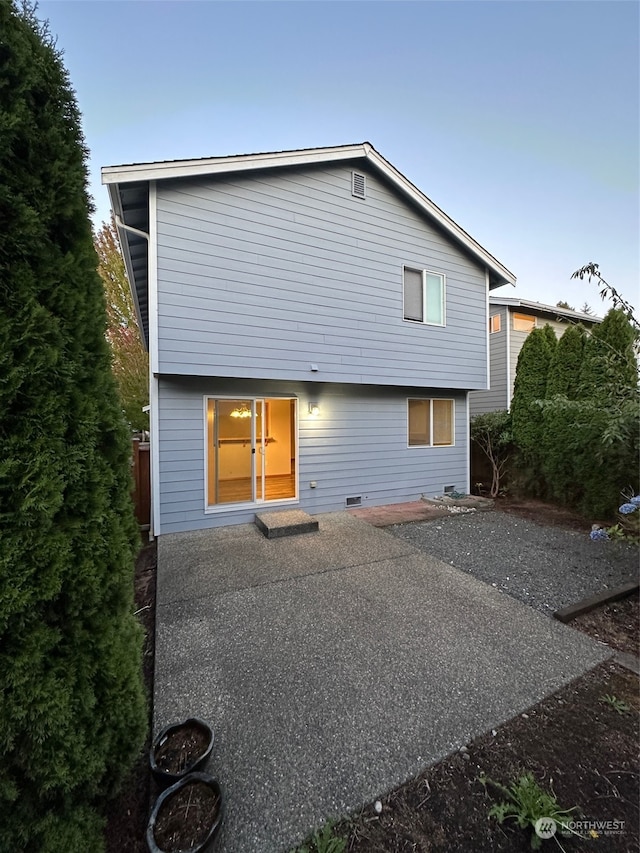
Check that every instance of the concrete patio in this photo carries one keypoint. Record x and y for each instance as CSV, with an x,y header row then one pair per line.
x,y
334,665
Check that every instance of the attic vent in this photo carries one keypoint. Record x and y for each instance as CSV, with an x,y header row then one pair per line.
x,y
356,500
358,185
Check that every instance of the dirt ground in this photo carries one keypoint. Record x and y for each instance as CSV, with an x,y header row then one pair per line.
x,y
128,813
542,513
616,624
574,742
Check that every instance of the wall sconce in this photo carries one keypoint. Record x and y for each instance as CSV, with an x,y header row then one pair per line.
x,y
314,409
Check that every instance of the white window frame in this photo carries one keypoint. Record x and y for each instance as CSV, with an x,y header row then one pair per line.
x,y
424,273
215,509
495,327
453,423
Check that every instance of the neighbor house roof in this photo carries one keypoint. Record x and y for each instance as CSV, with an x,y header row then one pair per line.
x,y
551,311
128,191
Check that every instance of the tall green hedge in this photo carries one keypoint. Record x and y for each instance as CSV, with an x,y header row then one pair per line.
x,y
73,711
607,461
577,428
609,368
566,363
560,440
530,386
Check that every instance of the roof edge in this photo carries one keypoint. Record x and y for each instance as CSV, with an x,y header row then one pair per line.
x,y
234,163
514,302
112,176
384,166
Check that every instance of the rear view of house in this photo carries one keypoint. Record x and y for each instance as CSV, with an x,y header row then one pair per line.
x,y
510,322
315,327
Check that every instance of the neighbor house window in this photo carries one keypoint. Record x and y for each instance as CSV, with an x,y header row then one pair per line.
x,y
430,423
523,322
494,323
423,296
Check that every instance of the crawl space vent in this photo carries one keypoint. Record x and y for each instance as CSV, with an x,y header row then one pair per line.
x,y
355,500
358,185
449,489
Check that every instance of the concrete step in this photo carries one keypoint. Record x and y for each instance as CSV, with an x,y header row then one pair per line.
x,y
288,522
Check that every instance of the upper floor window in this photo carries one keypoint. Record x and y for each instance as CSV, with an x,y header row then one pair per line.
x,y
494,323
523,322
423,296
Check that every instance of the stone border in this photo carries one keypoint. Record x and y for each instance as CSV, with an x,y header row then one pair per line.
x,y
468,502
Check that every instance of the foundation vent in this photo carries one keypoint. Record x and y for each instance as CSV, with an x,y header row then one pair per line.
x,y
449,489
354,500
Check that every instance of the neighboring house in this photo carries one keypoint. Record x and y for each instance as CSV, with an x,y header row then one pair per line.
x,y
510,322
315,325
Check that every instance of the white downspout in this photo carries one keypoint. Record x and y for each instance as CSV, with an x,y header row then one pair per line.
x,y
130,228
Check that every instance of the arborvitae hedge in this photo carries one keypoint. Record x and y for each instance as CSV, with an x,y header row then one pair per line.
x,y
72,716
560,438
581,446
566,363
526,416
552,338
609,367
607,460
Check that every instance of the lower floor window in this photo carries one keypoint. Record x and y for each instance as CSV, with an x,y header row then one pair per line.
x,y
430,423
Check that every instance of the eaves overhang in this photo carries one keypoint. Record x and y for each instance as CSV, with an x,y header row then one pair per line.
x,y
130,204
551,311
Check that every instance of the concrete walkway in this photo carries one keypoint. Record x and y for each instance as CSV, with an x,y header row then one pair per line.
x,y
334,665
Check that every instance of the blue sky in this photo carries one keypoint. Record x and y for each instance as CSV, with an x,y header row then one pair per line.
x,y
520,119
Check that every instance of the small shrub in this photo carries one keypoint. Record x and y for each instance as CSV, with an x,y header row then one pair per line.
x,y
491,431
618,705
526,802
628,526
324,841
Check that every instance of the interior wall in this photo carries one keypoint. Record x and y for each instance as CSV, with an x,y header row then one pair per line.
x,y
279,449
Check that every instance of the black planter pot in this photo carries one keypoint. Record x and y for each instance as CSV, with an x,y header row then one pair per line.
x,y
169,797
165,777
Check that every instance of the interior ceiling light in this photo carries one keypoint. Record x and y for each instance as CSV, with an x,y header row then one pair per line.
x,y
241,412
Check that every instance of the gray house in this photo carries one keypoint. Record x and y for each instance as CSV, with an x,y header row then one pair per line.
x,y
315,325
510,322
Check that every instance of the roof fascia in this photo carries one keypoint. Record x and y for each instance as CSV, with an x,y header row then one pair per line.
x,y
540,308
218,165
440,216
113,175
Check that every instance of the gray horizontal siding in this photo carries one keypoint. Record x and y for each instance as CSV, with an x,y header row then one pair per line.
x,y
357,446
260,276
496,397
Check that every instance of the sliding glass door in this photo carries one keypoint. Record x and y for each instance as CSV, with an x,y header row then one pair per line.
x,y
251,450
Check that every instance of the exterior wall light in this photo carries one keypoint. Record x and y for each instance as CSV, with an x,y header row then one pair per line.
x,y
314,409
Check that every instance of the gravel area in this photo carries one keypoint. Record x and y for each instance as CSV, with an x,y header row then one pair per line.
x,y
545,567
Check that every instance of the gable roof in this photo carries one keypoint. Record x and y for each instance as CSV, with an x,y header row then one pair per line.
x,y
128,190
551,311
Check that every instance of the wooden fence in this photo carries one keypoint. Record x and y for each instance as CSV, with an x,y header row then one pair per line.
x,y
142,482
